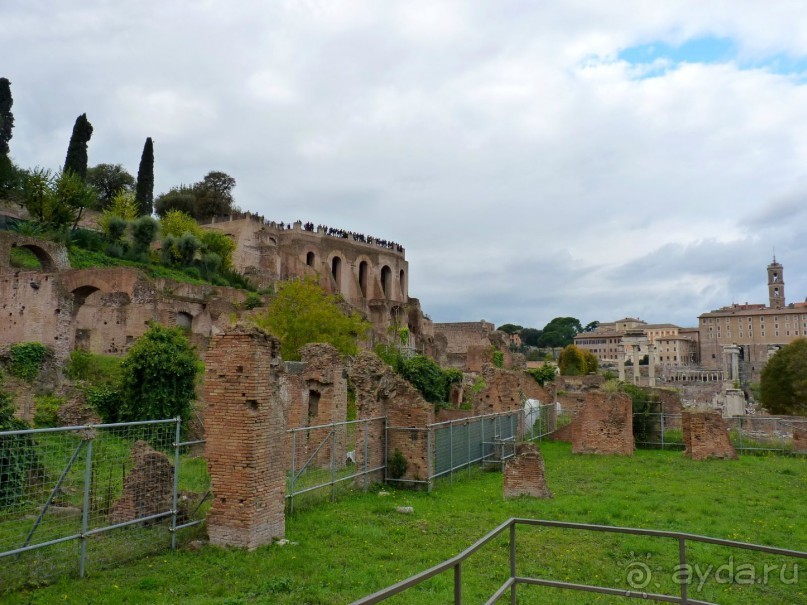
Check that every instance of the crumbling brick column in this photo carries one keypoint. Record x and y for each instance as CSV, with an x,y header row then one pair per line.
x,y
800,437
604,425
525,475
244,424
706,436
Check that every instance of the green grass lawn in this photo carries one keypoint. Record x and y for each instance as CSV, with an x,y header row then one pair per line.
x,y
343,551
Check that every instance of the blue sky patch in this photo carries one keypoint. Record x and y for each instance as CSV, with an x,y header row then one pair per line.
x,y
707,50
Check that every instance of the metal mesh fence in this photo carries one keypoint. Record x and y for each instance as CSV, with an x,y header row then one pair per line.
x,y
541,420
81,498
747,433
458,444
331,458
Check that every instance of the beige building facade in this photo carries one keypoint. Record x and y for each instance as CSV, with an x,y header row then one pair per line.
x,y
752,332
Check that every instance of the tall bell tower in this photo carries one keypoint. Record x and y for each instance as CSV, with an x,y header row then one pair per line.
x,y
776,285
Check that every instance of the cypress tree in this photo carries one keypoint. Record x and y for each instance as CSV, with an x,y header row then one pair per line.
x,y
6,117
76,160
144,193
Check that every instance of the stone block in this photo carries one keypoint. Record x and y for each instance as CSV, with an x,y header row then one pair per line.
x,y
525,474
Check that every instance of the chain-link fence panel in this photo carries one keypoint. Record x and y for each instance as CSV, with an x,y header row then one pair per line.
x,y
82,498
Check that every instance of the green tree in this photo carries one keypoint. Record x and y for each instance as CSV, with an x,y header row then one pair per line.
x,y
574,361
301,312
11,179
72,196
510,328
591,326
178,199
544,374
109,180
216,242
214,195
158,376
530,336
144,232
783,385
560,332
6,117
144,194
76,159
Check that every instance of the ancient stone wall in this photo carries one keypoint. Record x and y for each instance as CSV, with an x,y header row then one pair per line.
x,y
506,391
800,437
381,392
317,396
706,436
604,425
244,424
525,474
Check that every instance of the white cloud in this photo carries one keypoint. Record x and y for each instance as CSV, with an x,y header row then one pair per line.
x,y
527,170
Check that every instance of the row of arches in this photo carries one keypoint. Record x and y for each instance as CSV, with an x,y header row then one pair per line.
x,y
386,276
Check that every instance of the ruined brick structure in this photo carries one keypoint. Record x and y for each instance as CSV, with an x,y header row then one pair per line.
x,y
371,277
468,346
147,489
381,392
800,437
506,391
245,424
100,310
317,395
604,425
525,474
706,436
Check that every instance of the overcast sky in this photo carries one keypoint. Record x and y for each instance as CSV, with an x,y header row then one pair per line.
x,y
536,159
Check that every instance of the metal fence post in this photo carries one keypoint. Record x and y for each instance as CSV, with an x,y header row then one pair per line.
x,y
662,430
177,437
333,464
458,584
451,452
429,458
366,474
85,513
468,433
293,470
682,561
386,447
513,600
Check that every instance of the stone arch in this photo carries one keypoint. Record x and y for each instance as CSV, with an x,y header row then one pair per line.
x,y
364,268
52,257
402,282
336,271
386,281
310,258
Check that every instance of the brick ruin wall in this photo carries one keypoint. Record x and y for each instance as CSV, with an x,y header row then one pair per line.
x,y
316,389
706,436
800,437
525,474
148,489
244,423
381,392
604,425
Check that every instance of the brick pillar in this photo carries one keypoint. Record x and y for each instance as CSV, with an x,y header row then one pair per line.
x,y
706,436
244,424
604,425
525,475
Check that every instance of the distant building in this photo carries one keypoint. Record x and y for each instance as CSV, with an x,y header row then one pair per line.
x,y
671,345
751,332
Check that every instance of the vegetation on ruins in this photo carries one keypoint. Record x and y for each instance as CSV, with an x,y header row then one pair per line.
x,y
544,374
344,551
301,312
574,361
144,193
422,372
158,376
783,384
26,359
76,159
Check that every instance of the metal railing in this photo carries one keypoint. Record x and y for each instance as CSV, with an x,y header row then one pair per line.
x,y
112,487
510,585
